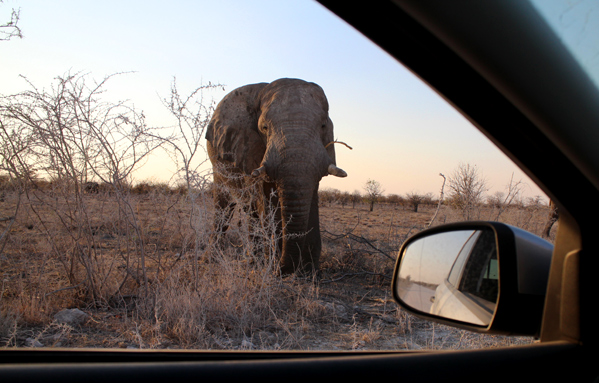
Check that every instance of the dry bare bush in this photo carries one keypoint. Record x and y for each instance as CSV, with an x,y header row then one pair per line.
x,y
69,136
416,199
501,201
11,28
466,190
374,191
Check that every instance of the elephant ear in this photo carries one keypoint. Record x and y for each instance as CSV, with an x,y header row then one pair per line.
x,y
233,129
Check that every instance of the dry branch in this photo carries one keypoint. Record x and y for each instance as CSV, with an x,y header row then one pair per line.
x,y
359,239
441,196
345,275
338,142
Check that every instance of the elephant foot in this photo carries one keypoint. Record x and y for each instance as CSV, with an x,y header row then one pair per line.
x,y
307,268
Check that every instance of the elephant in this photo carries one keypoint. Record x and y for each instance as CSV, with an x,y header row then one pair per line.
x,y
279,136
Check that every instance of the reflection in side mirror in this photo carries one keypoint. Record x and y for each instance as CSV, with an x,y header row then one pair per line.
x,y
482,276
452,274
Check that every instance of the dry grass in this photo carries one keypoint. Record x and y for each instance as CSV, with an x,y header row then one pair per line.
x,y
150,275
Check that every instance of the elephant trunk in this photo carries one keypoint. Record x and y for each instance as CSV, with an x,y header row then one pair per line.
x,y
296,202
297,179
296,162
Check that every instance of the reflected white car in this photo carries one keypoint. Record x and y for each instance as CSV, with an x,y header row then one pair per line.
x,y
469,293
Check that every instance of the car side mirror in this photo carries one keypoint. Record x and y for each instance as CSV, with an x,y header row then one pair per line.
x,y
483,276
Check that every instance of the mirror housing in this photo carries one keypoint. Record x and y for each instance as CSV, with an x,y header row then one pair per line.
x,y
520,259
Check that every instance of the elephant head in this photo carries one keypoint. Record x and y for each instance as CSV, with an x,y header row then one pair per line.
x,y
281,133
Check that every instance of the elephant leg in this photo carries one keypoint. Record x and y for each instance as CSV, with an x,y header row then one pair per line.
x,y
311,258
222,215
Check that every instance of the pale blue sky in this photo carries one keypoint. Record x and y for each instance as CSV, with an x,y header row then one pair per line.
x,y
402,133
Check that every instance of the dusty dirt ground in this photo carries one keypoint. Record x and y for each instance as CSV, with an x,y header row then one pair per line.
x,y
348,306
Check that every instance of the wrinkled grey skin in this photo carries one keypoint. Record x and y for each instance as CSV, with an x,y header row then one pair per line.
x,y
277,134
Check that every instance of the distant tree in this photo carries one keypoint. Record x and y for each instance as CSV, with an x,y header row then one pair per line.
x,y
91,187
10,29
496,200
467,187
534,202
501,201
395,199
337,196
414,200
344,198
429,199
328,195
374,191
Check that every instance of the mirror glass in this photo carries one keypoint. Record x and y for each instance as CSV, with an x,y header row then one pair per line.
x,y
453,274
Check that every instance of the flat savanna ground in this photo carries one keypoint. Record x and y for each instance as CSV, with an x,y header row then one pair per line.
x,y
147,272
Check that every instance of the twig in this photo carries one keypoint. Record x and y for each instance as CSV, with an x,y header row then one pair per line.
x,y
390,228
441,196
407,235
339,236
354,274
63,289
367,242
380,316
513,191
12,221
338,142
358,239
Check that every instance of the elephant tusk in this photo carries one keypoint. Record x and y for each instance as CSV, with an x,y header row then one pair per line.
x,y
258,172
337,172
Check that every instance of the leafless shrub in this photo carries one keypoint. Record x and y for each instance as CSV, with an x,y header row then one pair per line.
x,y
500,201
415,199
10,28
395,199
529,214
328,196
183,143
466,189
69,135
8,328
374,191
